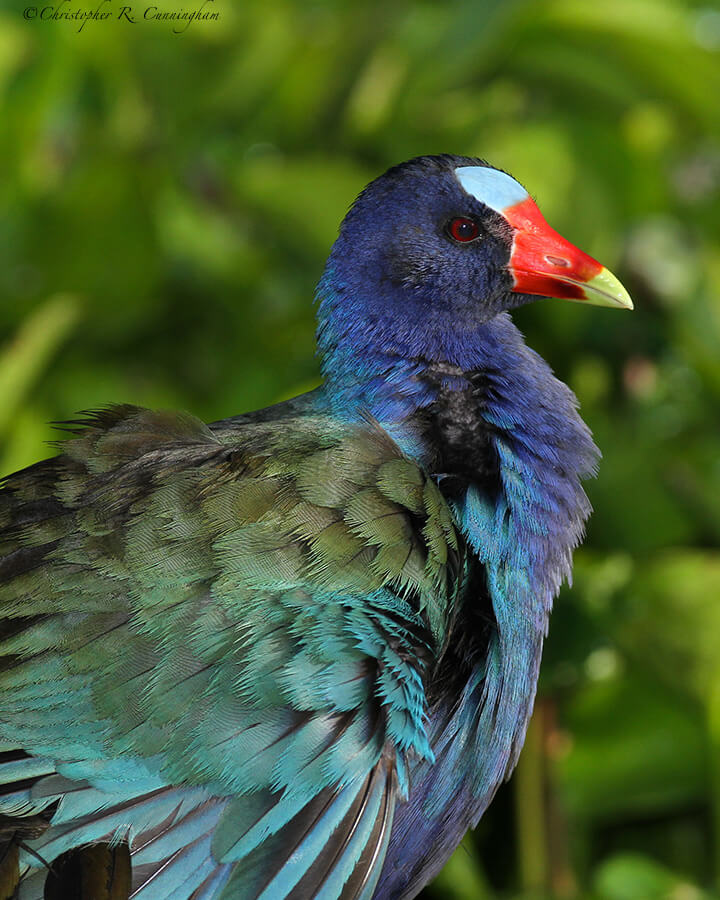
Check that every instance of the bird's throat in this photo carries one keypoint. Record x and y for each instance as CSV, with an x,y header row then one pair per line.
x,y
483,420
436,409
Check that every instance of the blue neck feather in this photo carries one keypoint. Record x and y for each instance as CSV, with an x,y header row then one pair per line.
x,y
372,365
523,534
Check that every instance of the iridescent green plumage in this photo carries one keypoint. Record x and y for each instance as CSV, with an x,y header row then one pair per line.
x,y
246,612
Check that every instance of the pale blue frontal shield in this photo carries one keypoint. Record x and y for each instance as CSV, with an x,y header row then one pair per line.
x,y
495,189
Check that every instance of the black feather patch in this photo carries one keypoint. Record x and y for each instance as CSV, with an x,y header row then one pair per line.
x,y
453,424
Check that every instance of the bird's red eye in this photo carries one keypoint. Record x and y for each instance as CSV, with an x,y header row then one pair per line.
x,y
463,230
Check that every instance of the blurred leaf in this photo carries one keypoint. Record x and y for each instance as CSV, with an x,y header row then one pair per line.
x,y
25,358
623,755
629,877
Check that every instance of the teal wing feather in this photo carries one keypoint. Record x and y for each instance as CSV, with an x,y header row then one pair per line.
x,y
213,645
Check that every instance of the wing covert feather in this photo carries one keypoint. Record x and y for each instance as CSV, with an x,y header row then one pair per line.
x,y
247,615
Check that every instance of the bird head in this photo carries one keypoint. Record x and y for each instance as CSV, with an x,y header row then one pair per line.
x,y
440,244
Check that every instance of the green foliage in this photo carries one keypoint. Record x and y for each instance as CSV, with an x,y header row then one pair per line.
x,y
187,188
23,362
631,877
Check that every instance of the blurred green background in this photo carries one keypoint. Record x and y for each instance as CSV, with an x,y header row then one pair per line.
x,y
166,204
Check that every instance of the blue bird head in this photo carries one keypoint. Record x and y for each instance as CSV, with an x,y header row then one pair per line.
x,y
434,248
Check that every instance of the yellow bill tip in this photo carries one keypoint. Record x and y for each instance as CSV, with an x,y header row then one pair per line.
x,y
606,290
